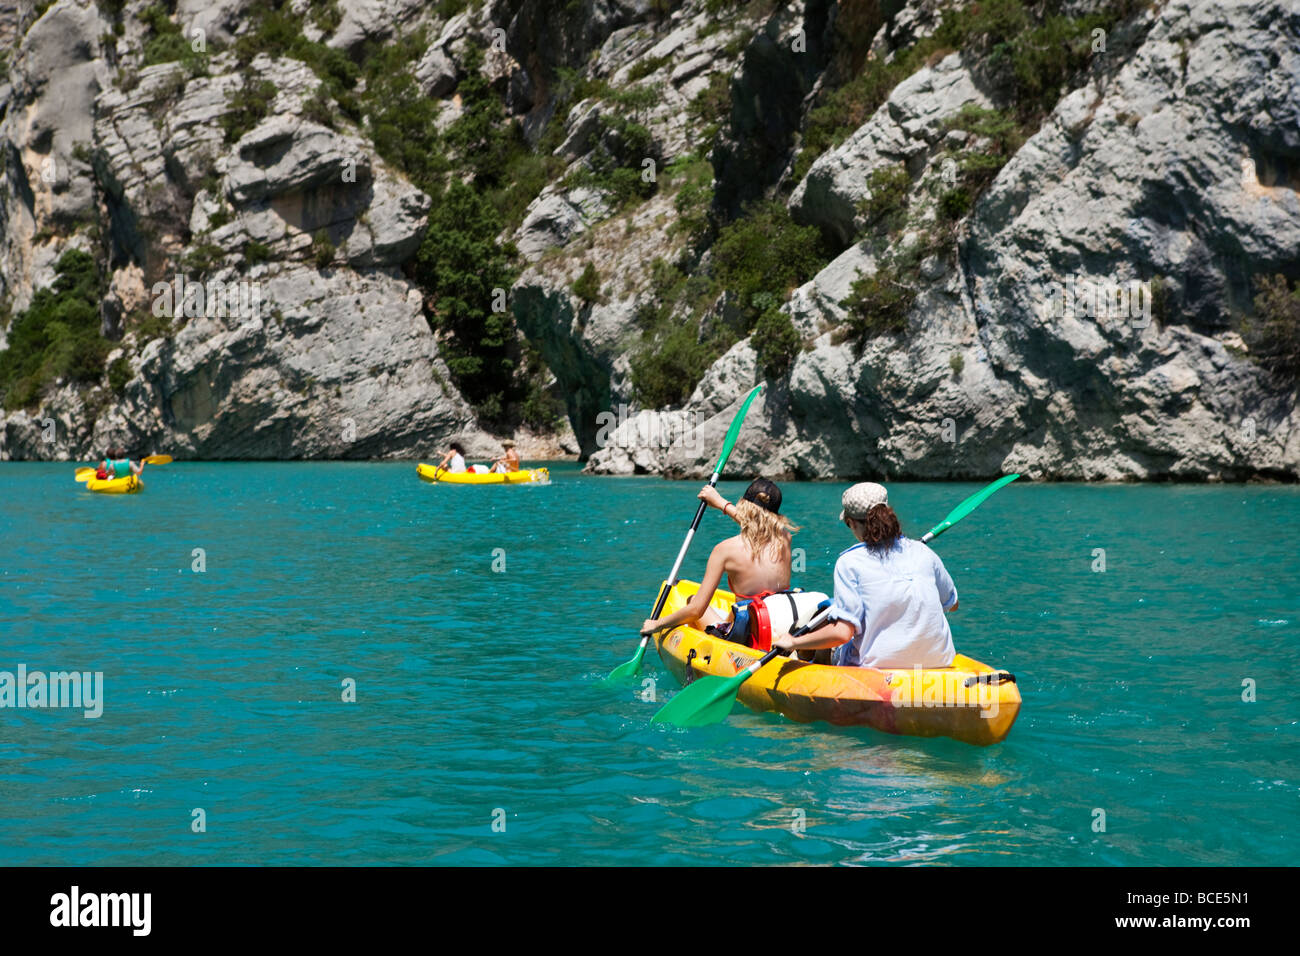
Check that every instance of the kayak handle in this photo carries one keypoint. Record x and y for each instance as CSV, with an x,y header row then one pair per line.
x,y
997,677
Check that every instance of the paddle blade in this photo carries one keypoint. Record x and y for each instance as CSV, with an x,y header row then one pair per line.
x,y
158,460
707,701
967,506
628,669
733,432
85,474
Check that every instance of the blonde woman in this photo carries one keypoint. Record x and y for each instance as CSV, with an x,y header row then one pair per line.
x,y
755,561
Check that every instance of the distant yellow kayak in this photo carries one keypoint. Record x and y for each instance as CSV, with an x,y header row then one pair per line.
x,y
521,477
116,486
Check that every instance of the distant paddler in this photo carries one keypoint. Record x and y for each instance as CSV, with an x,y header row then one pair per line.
x,y
454,460
116,464
509,461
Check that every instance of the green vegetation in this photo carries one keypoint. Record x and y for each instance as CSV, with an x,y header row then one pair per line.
x,y
711,106
587,286
326,14
249,105
956,363
1031,52
878,304
119,373
461,268
57,337
758,260
665,372
541,409
202,258
167,42
1274,334
322,250
647,65
885,207
694,197
255,253
776,342
764,251
616,165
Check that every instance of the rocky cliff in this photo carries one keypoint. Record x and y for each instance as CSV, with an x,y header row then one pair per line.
x,y
953,239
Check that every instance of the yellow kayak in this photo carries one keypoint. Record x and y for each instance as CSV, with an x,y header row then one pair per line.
x,y
967,701
521,477
116,486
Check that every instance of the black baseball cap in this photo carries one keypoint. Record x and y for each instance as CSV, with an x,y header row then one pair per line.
x,y
765,494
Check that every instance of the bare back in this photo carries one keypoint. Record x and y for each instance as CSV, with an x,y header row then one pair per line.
x,y
747,574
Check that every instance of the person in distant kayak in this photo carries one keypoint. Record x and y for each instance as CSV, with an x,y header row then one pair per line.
x,y
454,460
117,465
509,461
890,594
755,561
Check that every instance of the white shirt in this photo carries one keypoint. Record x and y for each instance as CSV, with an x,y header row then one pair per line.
x,y
895,600
457,462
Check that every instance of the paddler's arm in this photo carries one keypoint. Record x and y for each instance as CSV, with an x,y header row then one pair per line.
x,y
709,495
828,635
699,602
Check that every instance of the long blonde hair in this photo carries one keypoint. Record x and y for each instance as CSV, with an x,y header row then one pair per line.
x,y
762,530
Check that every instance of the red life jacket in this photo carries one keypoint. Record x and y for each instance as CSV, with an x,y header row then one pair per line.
x,y
760,623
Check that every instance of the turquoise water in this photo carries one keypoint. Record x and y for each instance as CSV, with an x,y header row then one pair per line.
x,y
478,696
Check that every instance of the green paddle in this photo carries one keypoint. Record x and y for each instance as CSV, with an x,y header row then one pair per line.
x,y
633,667
709,699
966,507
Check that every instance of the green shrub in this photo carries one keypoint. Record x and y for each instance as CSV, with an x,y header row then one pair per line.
x,y
57,337
776,342
955,203
119,373
1274,334
878,304
615,164
764,251
843,110
711,106
482,135
956,363
587,286
885,207
255,253
249,105
665,371
202,258
148,326
647,65
322,250
167,42
694,197
326,15
403,121
459,265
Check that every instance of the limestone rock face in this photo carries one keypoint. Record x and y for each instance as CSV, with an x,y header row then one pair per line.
x,y
302,350
1083,319
1165,168
907,130
56,71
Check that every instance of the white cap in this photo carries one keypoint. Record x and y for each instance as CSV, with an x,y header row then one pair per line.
x,y
861,498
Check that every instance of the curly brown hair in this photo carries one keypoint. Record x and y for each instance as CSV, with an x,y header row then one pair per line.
x,y
880,528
